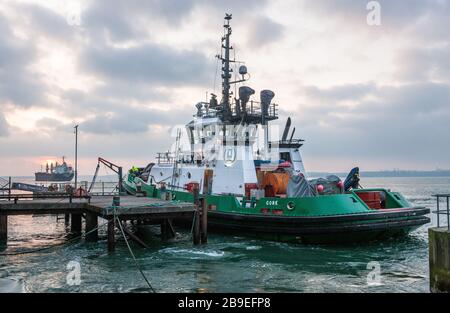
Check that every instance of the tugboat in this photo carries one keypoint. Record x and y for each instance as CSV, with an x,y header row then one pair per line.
x,y
256,186
56,172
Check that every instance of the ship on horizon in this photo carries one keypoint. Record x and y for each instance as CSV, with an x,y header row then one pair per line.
x,y
56,172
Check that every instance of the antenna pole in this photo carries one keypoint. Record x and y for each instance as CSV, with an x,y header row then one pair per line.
x,y
76,156
226,71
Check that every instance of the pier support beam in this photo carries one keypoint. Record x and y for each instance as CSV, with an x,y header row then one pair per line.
x,y
3,229
75,226
167,231
111,238
439,258
91,226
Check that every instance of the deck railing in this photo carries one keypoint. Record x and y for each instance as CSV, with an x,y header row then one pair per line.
x,y
5,186
439,212
17,197
99,188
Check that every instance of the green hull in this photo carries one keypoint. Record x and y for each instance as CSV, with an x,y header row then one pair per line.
x,y
340,218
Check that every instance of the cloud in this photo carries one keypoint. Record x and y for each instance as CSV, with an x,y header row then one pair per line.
x,y
113,16
341,92
133,120
388,122
425,63
149,63
18,85
4,131
131,69
41,20
264,31
393,12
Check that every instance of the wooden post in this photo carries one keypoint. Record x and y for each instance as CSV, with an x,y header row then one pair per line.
x,y
91,226
134,237
9,188
163,230
170,228
3,228
67,216
196,229
167,230
196,235
111,239
204,222
75,226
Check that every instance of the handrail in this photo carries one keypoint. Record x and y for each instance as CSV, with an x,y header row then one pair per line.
x,y
438,212
43,196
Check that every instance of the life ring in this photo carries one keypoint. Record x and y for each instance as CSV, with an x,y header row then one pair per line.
x,y
290,206
80,192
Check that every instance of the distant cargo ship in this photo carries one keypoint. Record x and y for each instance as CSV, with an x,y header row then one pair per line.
x,y
56,172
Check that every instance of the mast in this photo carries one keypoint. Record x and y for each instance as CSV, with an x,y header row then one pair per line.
x,y
226,71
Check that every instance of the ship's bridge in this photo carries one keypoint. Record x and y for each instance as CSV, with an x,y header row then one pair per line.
x,y
251,113
212,130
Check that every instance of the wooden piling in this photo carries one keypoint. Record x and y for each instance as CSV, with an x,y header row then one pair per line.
x,y
111,238
196,234
3,228
75,225
204,222
164,229
170,228
134,237
196,228
91,226
9,188
167,230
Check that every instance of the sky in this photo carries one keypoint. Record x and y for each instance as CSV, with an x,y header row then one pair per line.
x,y
359,92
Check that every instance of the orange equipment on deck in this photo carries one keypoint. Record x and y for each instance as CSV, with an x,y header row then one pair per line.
x,y
279,182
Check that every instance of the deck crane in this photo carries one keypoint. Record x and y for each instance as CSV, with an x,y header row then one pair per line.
x,y
115,168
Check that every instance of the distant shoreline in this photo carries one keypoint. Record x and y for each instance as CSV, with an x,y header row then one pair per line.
x,y
441,173
389,174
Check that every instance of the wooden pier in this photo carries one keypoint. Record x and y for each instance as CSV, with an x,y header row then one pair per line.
x,y
114,209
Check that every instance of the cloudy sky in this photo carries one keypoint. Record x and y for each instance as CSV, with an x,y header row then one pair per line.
x,y
127,71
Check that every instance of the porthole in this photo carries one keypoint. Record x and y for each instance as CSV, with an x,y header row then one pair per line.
x,y
290,205
189,175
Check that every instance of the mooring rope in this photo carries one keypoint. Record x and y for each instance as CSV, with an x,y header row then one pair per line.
x,y
193,223
52,246
132,254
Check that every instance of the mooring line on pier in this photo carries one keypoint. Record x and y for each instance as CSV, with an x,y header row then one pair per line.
x,y
132,254
52,246
192,226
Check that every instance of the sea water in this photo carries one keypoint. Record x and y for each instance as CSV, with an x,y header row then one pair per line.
x,y
226,264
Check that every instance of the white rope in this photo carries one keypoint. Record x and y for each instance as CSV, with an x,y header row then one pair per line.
x,y
132,254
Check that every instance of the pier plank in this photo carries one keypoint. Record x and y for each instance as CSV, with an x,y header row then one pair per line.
x,y
40,207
